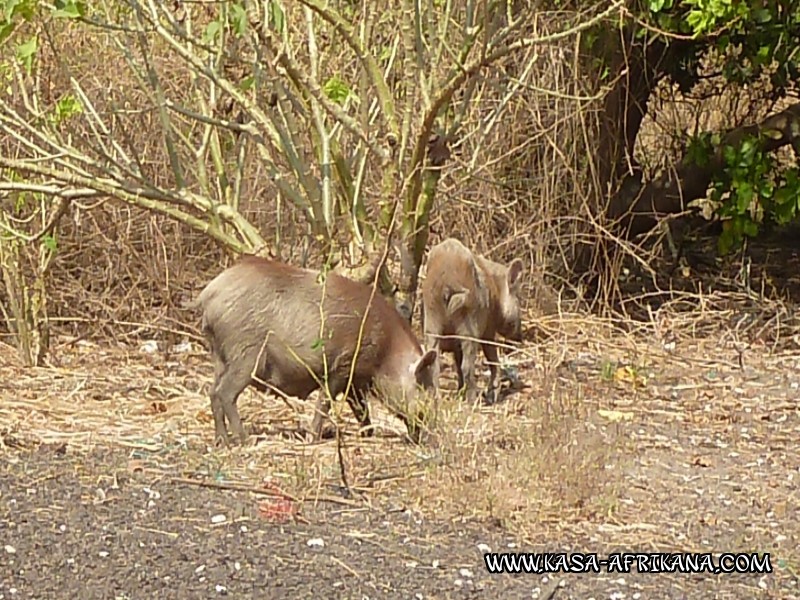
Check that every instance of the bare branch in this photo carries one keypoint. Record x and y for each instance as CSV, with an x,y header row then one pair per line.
x,y
146,198
472,69
370,65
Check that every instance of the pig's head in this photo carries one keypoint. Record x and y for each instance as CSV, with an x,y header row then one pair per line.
x,y
510,319
406,385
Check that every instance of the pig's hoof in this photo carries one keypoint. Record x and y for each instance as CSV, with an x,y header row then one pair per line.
x,y
222,441
429,439
326,431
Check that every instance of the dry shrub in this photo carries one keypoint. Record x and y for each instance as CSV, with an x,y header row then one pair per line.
x,y
517,184
514,188
122,270
537,457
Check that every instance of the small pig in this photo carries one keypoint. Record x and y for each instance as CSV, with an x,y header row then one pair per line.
x,y
263,321
471,297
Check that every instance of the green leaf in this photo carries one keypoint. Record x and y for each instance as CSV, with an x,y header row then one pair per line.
x,y
211,32
725,242
747,151
744,195
238,20
5,31
785,205
69,9
23,9
749,228
277,16
699,150
607,369
336,89
762,16
8,9
784,196
26,52
729,154
247,83
588,40
50,243
66,108
697,21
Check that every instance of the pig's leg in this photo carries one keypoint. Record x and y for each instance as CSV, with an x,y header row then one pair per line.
x,y
325,394
231,383
458,356
322,409
432,342
469,354
220,430
490,352
358,404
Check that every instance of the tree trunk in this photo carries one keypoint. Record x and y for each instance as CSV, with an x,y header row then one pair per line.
x,y
415,230
638,70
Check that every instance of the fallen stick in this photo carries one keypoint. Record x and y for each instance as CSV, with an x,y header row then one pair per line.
x,y
235,487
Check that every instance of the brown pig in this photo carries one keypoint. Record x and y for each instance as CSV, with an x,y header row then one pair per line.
x,y
263,320
472,298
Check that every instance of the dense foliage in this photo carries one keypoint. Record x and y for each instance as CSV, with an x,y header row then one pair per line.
x,y
747,41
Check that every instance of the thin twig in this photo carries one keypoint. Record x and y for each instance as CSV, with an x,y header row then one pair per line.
x,y
235,487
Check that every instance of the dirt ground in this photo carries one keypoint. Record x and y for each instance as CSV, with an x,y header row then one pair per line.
x,y
619,442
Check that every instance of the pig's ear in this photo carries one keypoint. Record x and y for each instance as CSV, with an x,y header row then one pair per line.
x,y
424,363
514,272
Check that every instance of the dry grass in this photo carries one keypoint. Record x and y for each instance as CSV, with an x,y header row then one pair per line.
x,y
617,436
